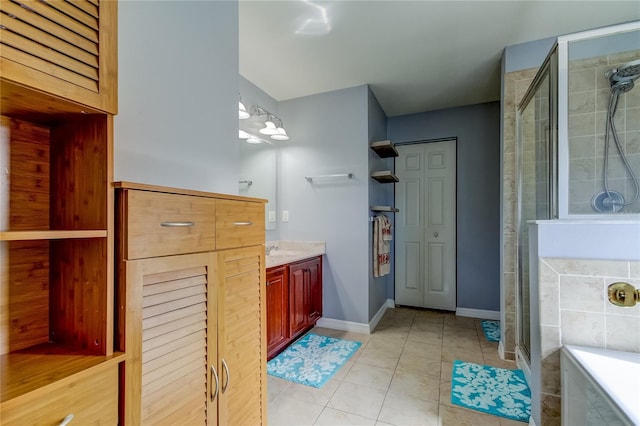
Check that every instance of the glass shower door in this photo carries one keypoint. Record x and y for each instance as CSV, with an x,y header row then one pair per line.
x,y
536,161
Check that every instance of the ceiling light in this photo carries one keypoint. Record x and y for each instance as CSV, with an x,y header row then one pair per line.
x,y
254,140
281,134
242,111
243,135
269,128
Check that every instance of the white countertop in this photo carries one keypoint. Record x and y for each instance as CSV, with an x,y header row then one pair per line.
x,y
282,252
618,373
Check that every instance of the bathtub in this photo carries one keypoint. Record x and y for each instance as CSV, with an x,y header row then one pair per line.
x,y
600,387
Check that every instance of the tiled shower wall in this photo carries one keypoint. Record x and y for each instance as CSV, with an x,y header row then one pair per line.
x,y
515,86
588,99
575,310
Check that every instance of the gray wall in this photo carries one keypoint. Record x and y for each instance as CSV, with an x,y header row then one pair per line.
x,y
477,128
178,93
331,136
381,288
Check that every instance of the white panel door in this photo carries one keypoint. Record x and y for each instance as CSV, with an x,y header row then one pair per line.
x,y
426,225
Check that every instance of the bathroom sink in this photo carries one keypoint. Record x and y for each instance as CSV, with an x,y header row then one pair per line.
x,y
292,251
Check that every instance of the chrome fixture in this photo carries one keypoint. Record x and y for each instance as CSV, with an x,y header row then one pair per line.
x,y
310,179
621,80
276,132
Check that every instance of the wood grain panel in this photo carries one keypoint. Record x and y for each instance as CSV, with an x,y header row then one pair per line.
x,y
27,288
241,303
79,173
277,289
239,224
29,176
146,237
80,296
93,399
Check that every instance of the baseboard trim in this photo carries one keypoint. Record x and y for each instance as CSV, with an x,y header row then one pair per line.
x,y
478,313
501,349
357,327
521,362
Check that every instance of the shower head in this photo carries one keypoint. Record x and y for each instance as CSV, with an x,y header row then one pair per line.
x,y
621,79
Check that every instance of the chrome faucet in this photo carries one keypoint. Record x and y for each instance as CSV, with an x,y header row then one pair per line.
x,y
269,249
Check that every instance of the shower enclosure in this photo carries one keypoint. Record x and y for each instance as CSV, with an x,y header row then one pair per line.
x,y
578,144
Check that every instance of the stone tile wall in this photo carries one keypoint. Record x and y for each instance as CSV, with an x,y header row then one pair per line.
x,y
575,310
588,99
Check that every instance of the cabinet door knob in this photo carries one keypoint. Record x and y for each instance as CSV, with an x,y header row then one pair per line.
x,y
214,375
66,420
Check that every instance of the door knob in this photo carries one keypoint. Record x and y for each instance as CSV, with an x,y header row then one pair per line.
x,y
435,234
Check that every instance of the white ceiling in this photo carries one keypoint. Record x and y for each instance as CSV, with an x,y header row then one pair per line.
x,y
416,55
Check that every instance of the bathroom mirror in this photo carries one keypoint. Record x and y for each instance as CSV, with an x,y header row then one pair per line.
x,y
258,176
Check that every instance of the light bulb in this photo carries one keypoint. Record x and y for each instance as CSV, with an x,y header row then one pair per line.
x,y
254,140
269,128
281,135
243,135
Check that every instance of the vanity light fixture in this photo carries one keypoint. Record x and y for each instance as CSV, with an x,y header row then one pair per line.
x,y
275,132
243,135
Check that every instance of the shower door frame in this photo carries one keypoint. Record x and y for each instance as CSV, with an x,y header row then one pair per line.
x,y
549,68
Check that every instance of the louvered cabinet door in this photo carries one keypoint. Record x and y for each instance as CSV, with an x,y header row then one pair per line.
x,y
242,336
171,324
62,47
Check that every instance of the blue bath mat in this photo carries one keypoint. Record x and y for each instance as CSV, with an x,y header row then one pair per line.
x,y
491,390
491,330
312,360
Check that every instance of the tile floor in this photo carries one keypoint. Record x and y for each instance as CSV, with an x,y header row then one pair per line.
x,y
401,375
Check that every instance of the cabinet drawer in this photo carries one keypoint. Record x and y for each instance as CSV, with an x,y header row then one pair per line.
x,y
92,399
239,224
159,224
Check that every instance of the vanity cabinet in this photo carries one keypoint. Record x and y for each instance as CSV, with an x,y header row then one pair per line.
x,y
62,48
305,295
295,301
192,315
277,309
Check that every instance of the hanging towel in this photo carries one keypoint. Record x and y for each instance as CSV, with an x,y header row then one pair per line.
x,y
381,246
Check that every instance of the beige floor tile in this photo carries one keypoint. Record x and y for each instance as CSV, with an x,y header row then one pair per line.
x,y
275,387
425,325
401,410
419,365
289,411
392,344
379,358
333,417
425,336
445,393
446,369
344,369
450,355
319,396
500,363
368,375
357,399
430,351
418,386
465,345
458,416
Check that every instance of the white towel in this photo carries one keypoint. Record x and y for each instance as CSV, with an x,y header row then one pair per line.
x,y
381,246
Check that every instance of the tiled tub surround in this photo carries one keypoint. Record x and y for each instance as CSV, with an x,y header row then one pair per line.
x,y
588,99
515,86
574,310
283,252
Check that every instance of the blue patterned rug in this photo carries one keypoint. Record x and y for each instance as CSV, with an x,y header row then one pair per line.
x,y
491,390
491,330
312,360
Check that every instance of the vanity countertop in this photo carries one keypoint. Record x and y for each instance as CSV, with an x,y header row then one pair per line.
x,y
282,252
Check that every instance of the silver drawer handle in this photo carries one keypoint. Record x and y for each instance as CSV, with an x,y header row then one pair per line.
x,y
226,370
243,223
177,224
214,375
66,420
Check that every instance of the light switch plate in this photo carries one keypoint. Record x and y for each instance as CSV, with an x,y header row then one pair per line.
x,y
272,216
285,215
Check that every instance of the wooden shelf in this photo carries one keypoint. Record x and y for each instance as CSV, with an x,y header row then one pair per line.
x,y
38,366
384,149
385,176
51,235
384,209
